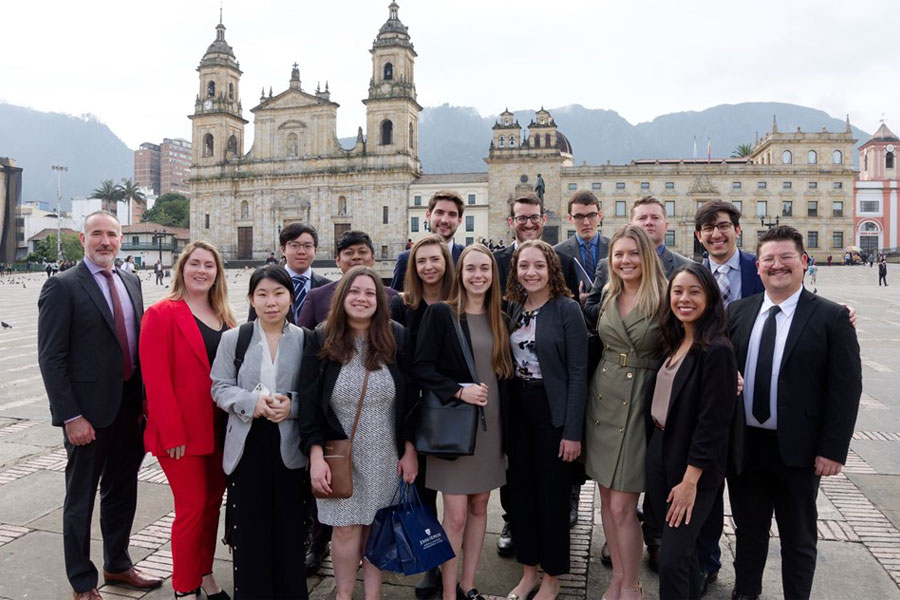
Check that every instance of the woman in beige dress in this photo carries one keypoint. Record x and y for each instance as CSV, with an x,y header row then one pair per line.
x,y
615,439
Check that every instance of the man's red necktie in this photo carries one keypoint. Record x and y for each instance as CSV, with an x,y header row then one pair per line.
x,y
119,318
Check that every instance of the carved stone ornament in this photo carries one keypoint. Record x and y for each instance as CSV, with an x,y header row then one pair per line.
x,y
703,185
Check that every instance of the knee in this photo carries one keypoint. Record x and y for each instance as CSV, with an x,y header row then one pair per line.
x,y
344,537
620,513
478,506
454,521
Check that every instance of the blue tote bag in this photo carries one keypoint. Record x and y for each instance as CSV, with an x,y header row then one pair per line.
x,y
422,543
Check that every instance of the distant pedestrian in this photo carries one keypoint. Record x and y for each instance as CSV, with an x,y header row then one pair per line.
x,y
813,269
128,265
271,260
882,272
830,258
158,270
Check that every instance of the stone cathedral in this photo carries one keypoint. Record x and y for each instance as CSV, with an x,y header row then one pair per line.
x,y
295,168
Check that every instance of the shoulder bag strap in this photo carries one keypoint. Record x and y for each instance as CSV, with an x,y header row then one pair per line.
x,y
359,406
470,362
245,332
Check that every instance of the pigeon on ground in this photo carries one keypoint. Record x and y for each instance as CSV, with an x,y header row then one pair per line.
x,y
5,325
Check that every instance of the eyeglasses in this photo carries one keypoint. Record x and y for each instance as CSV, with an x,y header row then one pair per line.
x,y
590,216
522,219
785,259
294,246
724,227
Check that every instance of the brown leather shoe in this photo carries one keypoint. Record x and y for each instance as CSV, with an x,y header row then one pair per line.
x,y
132,578
93,594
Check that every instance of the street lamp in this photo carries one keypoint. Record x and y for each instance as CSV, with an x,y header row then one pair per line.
x,y
59,171
769,224
158,238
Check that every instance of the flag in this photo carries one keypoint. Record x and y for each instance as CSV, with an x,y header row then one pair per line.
x,y
708,150
695,146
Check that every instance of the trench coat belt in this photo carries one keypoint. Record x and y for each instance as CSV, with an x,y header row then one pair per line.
x,y
631,361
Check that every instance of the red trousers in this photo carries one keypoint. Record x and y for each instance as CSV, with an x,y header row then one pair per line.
x,y
197,483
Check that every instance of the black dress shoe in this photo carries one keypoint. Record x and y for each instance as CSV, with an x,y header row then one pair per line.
x,y
706,579
220,595
470,595
605,556
505,546
430,585
653,558
195,593
736,596
314,557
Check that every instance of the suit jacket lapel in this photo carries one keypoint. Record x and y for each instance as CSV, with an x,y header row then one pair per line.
x,y
806,306
668,262
96,295
189,329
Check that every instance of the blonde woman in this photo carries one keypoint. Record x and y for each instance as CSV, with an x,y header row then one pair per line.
x,y
615,439
179,338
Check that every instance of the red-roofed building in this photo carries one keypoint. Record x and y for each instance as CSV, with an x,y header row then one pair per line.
x,y
149,242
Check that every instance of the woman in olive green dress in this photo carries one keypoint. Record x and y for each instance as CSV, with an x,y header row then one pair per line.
x,y
615,438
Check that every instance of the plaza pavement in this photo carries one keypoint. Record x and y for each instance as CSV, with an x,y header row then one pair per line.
x,y
859,511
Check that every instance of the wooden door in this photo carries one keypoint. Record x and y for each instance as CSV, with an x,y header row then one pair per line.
x,y
245,243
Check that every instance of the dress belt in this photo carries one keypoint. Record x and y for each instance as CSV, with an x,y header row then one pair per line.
x,y
630,360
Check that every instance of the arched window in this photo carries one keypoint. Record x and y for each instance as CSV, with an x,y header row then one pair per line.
x,y
387,133
889,160
537,141
866,161
869,227
388,71
837,157
786,157
211,89
245,211
411,136
232,145
546,140
502,142
208,146
342,206
291,149
512,141
811,157
231,91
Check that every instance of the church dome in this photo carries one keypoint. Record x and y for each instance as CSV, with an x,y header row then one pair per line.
x,y
884,135
563,143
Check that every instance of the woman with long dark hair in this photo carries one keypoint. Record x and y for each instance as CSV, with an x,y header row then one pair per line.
x,y
354,364
549,348
440,366
689,408
179,338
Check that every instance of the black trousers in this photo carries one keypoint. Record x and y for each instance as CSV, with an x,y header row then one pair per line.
x,y
882,278
265,521
679,566
112,460
539,483
764,486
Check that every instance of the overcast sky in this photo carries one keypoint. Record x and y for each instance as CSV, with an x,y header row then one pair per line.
x,y
132,64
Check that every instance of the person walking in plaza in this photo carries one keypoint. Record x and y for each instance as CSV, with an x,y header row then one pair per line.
x,y
89,320
882,272
353,383
185,429
549,347
802,385
429,277
444,214
689,408
615,438
158,271
254,385
440,366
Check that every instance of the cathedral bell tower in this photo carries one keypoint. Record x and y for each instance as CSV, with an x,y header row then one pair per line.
x,y
392,113
218,126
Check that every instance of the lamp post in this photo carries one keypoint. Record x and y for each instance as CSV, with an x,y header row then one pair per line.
x,y
59,171
158,239
769,224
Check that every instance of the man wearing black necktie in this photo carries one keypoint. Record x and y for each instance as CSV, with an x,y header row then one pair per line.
x,y
802,383
89,320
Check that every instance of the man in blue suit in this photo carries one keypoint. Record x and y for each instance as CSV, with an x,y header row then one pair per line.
x,y
444,214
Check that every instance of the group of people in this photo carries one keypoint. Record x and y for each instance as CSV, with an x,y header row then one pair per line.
x,y
615,359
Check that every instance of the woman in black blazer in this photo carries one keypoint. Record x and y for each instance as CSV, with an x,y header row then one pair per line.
x,y
689,409
547,395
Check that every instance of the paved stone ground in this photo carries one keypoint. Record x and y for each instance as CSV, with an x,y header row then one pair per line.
x,y
859,511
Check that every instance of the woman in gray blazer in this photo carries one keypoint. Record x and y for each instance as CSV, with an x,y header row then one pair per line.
x,y
262,458
548,336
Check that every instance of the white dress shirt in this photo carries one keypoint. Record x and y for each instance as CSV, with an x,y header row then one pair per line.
x,y
782,326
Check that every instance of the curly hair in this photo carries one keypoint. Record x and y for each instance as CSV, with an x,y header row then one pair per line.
x,y
555,279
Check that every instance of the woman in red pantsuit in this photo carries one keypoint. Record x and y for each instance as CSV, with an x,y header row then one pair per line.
x,y
185,430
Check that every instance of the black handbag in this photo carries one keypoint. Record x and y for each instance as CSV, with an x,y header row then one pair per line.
x,y
449,429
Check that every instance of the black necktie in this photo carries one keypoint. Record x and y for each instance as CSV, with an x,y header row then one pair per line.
x,y
590,265
763,380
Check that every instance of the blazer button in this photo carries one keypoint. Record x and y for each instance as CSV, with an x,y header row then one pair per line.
x,y
628,376
596,421
604,369
621,430
624,402
243,412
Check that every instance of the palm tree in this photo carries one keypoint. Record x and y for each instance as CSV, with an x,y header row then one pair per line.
x,y
109,193
132,192
742,150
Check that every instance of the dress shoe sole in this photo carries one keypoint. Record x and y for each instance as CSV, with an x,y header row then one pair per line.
x,y
506,552
131,586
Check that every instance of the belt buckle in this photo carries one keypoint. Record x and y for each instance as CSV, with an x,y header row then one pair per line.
x,y
623,360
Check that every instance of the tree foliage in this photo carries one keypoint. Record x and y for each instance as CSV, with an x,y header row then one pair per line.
x,y
131,192
742,150
46,249
108,191
170,210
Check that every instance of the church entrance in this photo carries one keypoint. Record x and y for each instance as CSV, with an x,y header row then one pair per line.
x,y
245,243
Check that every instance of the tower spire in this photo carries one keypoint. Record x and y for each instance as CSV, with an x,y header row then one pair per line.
x,y
774,125
221,2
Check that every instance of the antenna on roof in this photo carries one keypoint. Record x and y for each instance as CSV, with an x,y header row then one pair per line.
x,y
221,2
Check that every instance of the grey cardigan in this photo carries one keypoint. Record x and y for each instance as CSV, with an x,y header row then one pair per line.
x,y
237,399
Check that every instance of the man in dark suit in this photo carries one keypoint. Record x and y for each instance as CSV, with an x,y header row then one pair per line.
x,y
299,243
587,247
802,383
444,214
353,249
89,319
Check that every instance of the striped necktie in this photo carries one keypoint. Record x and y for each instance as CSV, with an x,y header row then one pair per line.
x,y
722,280
299,294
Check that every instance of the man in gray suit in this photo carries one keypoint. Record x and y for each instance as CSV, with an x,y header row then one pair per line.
x,y
587,247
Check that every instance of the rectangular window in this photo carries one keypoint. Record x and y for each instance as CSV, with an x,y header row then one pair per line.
x,y
417,200
470,241
645,186
787,208
414,224
384,215
838,185
837,239
470,223
740,240
573,186
786,185
206,221
620,208
762,207
620,186
812,239
595,185
670,185
670,237
868,206
670,208
760,185
812,185
739,204
735,185
570,233
837,208
471,198
135,240
812,209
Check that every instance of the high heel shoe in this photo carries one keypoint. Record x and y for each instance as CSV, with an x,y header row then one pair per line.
x,y
638,588
220,595
195,593
615,574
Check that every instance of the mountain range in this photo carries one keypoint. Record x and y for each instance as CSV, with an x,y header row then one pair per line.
x,y
451,139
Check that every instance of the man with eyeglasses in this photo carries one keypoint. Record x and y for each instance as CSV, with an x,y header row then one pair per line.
x,y
587,247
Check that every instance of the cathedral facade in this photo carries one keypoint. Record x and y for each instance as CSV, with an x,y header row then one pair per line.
x,y
295,168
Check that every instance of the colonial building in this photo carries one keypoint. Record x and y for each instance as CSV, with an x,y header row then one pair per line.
x,y
11,233
877,222
149,242
295,168
472,187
